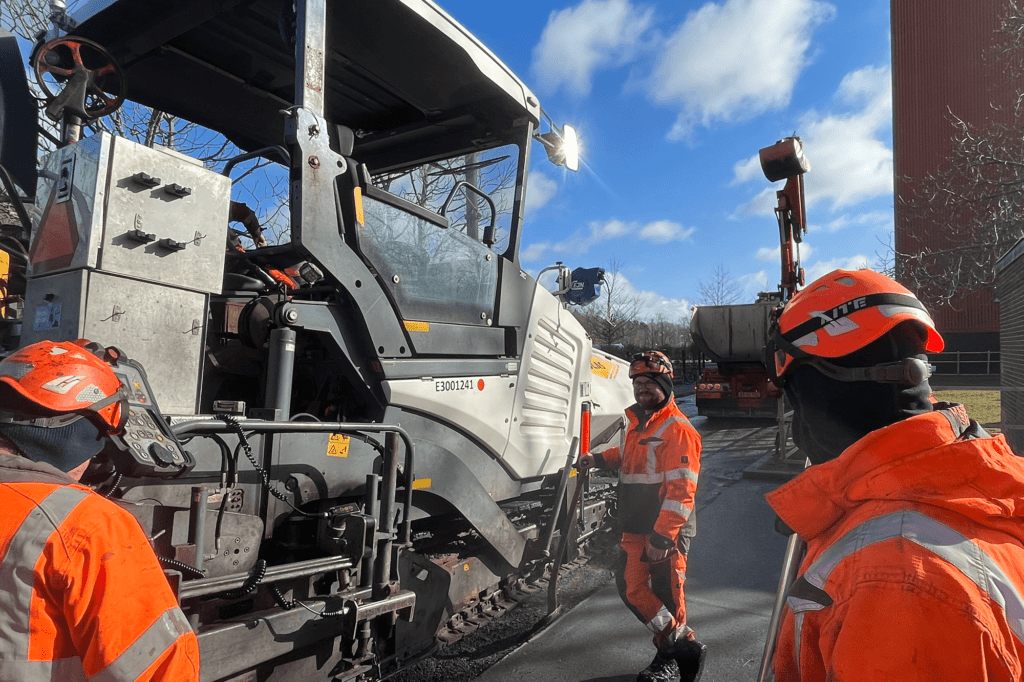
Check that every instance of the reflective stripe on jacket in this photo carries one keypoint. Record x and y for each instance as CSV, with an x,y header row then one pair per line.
x,y
82,596
658,473
915,558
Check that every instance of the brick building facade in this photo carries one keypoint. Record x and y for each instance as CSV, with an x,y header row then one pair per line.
x,y
942,63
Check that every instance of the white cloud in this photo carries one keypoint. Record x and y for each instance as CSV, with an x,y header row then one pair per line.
x,y
770,254
745,171
534,252
579,40
610,229
752,283
878,219
539,191
850,159
664,231
658,231
653,304
763,203
816,270
849,153
735,61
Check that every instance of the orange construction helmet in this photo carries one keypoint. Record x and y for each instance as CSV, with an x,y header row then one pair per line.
x,y
61,382
841,313
650,362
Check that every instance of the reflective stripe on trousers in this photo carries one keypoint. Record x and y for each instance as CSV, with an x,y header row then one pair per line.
x,y
660,621
955,548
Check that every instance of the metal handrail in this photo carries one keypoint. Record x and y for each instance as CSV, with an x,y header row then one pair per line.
x,y
208,426
966,357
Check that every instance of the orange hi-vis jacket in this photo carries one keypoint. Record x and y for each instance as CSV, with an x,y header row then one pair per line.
x,y
915,558
82,596
658,472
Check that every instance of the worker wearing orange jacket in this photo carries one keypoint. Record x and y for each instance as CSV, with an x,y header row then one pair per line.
x,y
82,595
658,469
911,511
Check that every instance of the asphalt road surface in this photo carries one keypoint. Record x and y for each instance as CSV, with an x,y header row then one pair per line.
x,y
731,581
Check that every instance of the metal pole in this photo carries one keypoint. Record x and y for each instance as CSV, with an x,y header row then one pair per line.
x,y
310,54
280,367
780,437
197,524
563,483
795,550
790,566
382,568
371,504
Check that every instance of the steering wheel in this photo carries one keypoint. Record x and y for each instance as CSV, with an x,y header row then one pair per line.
x,y
94,84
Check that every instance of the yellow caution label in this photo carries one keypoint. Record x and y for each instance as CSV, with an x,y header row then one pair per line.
x,y
337,445
572,472
357,199
603,368
411,326
421,483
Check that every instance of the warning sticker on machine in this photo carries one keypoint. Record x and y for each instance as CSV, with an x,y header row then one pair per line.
x,y
47,317
603,368
337,445
412,326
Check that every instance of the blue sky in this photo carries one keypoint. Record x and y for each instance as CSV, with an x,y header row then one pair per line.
x,y
673,99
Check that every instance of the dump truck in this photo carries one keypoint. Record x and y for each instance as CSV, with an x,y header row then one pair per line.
x,y
733,338
354,444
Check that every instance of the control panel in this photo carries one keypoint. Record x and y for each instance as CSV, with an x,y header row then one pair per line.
x,y
146,447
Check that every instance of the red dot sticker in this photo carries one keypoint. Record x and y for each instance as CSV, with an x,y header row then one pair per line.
x,y
480,384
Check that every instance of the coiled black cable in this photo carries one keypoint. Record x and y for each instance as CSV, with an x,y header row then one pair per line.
x,y
259,571
287,605
264,476
191,571
113,486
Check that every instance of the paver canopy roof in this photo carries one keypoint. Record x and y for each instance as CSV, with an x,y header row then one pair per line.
x,y
410,80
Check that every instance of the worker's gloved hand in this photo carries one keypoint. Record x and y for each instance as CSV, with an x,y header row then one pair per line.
x,y
586,461
659,549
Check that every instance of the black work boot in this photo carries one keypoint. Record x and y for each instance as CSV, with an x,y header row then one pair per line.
x,y
689,655
662,669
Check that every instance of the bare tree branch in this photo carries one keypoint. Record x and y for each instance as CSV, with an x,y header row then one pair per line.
x,y
614,317
971,208
721,289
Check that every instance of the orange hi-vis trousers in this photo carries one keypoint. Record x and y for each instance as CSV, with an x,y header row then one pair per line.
x,y
654,593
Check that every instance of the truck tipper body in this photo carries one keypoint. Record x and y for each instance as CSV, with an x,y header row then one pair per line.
x,y
733,338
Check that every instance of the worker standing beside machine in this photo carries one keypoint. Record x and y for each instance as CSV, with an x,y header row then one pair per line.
x,y
658,470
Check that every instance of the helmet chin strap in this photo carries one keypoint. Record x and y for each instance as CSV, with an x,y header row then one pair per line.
x,y
906,372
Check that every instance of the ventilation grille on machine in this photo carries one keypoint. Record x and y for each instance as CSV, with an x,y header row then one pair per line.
x,y
549,384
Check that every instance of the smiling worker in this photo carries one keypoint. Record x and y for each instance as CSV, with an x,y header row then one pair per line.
x,y
658,469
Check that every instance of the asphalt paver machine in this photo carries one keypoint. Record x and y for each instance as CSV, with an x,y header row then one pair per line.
x,y
406,396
